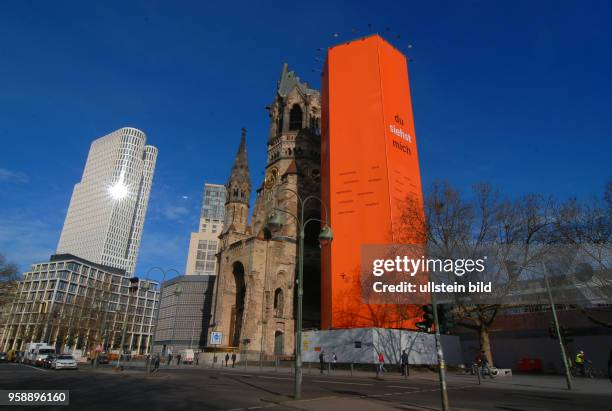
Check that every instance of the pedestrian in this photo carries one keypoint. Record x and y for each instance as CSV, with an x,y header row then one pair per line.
x,y
169,357
334,361
197,358
233,359
227,357
381,363
482,363
404,360
322,360
156,363
178,359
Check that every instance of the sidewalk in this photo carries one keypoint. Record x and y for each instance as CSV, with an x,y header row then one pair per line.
x,y
516,381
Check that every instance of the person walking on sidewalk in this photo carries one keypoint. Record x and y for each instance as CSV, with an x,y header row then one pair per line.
x,y
322,360
227,357
334,360
233,359
404,362
381,363
156,363
178,359
169,357
197,358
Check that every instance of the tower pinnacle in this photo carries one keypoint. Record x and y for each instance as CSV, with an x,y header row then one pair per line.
x,y
239,183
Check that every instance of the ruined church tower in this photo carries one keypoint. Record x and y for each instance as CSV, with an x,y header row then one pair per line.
x,y
254,296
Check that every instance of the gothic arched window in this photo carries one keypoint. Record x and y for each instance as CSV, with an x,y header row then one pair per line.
x,y
295,118
279,302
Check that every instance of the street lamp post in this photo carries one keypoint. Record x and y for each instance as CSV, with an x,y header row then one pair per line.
x,y
568,377
325,236
132,289
512,266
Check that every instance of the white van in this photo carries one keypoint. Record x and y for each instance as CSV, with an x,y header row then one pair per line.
x,y
187,356
36,352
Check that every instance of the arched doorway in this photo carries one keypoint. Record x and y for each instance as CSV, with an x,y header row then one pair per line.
x,y
238,307
279,343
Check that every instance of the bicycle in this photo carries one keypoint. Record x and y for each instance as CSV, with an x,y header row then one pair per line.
x,y
585,371
478,370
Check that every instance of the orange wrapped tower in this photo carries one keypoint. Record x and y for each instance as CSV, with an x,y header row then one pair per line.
x,y
370,172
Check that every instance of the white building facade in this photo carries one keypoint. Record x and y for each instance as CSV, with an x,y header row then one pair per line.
x,y
72,303
204,243
108,206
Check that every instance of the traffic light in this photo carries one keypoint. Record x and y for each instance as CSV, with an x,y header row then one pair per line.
x,y
428,318
552,333
566,333
446,318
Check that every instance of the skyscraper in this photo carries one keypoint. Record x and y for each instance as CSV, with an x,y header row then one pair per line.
x,y
108,206
204,243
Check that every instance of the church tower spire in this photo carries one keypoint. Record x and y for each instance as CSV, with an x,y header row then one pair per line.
x,y
238,191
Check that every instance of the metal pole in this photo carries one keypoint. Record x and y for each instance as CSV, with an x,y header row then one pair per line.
x,y
440,353
298,327
568,377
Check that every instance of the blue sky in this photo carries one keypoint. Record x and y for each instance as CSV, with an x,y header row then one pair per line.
x,y
515,93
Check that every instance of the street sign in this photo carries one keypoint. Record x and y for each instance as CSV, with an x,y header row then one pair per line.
x,y
215,338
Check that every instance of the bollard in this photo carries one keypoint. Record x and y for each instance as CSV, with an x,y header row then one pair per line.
x,y
276,364
351,369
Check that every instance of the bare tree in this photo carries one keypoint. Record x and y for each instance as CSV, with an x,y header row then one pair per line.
x,y
485,223
588,227
9,277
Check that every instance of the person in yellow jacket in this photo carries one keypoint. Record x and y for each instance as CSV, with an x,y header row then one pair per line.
x,y
579,361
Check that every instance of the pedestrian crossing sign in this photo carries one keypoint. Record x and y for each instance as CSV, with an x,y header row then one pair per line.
x,y
215,338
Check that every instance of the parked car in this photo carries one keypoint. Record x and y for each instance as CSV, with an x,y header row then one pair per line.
x,y
4,357
47,362
103,358
64,362
36,352
42,354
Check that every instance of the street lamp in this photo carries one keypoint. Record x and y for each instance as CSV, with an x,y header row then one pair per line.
x,y
275,223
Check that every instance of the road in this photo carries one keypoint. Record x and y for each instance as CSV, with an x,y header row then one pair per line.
x,y
238,389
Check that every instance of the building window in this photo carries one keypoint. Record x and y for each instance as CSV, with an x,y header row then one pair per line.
x,y
279,302
295,118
